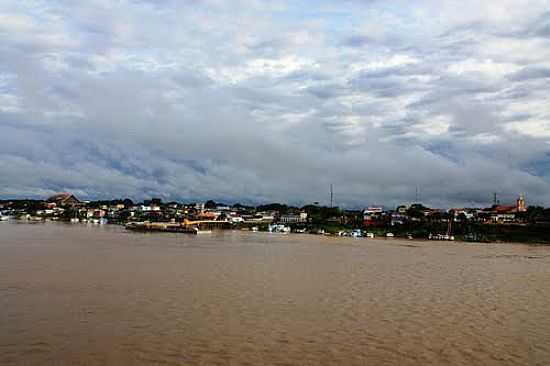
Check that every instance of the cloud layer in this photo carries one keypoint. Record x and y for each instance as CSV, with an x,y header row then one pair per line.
x,y
259,101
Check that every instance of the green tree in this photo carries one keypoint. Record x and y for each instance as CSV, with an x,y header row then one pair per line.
x,y
210,204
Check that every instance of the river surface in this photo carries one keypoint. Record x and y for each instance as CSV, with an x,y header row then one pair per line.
x,y
90,295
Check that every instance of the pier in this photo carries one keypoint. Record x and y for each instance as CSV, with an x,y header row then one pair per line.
x,y
187,226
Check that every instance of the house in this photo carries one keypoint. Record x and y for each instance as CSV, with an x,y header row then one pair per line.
x,y
267,216
95,213
503,214
64,199
293,218
209,215
506,214
260,217
467,213
398,218
402,209
371,215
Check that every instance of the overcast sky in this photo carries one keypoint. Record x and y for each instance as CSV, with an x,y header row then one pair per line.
x,y
259,100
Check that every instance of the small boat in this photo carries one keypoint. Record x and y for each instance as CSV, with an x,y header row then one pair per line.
x,y
446,237
357,233
4,218
370,235
278,228
389,235
199,231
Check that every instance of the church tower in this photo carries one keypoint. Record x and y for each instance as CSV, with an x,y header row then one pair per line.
x,y
520,204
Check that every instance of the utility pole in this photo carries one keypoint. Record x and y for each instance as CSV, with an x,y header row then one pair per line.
x,y
331,196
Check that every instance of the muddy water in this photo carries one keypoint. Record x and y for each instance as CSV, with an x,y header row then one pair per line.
x,y
84,295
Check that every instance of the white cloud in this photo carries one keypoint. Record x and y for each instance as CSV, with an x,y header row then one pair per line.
x,y
531,128
15,23
486,68
260,100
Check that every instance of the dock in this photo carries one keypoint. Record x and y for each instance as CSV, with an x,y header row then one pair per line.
x,y
186,227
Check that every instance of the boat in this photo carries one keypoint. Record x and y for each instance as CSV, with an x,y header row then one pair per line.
x,y
370,235
198,231
447,236
278,228
356,233
165,227
441,237
4,218
255,228
389,235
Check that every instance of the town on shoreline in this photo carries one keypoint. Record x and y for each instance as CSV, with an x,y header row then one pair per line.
x,y
497,223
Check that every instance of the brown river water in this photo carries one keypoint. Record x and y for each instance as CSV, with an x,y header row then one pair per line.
x,y
90,295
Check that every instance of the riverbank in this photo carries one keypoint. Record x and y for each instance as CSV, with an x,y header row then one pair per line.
x,y
170,228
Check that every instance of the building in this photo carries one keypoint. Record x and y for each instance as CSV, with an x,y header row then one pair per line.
x,y
402,209
64,199
293,218
208,215
95,213
520,204
372,215
502,214
398,218
466,213
265,217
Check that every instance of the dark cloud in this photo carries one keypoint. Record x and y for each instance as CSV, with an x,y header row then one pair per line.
x,y
529,73
358,41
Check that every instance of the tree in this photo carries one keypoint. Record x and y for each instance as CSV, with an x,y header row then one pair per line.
x,y
416,210
210,204
282,209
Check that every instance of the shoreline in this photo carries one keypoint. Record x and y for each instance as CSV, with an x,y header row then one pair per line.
x,y
395,239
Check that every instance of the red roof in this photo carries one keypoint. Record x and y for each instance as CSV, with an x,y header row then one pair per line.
x,y
505,209
62,197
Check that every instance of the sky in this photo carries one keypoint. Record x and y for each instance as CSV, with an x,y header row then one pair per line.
x,y
260,101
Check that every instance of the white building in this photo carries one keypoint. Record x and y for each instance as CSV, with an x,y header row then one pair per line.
x,y
293,218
